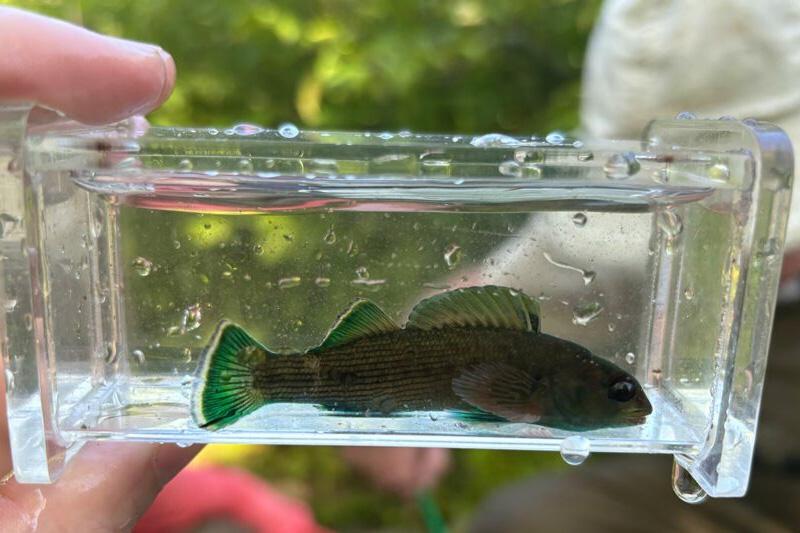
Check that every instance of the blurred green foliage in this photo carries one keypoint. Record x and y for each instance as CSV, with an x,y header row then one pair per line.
x,y
450,66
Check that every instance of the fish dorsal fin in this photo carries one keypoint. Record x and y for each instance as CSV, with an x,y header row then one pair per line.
x,y
362,319
489,306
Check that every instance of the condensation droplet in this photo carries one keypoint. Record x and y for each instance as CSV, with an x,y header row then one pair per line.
x,y
579,219
494,140
630,358
452,256
575,450
288,283
621,166
330,236
719,172
685,486
142,266
288,130
247,129
185,165
322,282
138,356
583,314
510,168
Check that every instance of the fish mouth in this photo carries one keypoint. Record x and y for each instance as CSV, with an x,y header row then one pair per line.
x,y
637,417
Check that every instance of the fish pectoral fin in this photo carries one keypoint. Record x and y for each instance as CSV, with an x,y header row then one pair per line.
x,y
502,390
488,306
362,319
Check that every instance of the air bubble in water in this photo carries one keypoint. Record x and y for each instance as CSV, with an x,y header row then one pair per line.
x,y
258,249
9,380
621,166
245,165
247,129
494,140
9,304
688,293
322,282
213,131
176,244
288,130
187,355
685,115
288,283
330,236
185,165
142,266
362,273
575,450
685,486
452,256
585,156
630,358
28,319
579,219
385,136
138,356
510,168
583,314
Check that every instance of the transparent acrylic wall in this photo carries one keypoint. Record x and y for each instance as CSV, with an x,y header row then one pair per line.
x,y
125,246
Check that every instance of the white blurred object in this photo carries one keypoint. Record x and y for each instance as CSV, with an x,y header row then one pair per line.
x,y
654,58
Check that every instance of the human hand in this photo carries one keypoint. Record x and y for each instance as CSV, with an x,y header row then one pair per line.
x,y
404,471
92,79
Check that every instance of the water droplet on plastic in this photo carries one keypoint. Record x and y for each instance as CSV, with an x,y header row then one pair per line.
x,y
611,327
510,168
579,219
258,249
288,130
9,380
183,444
245,165
385,136
362,273
585,156
671,225
176,245
494,140
621,166
330,236
685,487
685,115
213,131
247,129
191,318
187,355
452,256
575,450
630,358
288,283
142,266
28,320
688,293
138,356
719,172
322,282
9,305
185,165
555,137
585,313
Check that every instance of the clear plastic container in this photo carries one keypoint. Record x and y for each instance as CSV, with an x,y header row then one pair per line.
x,y
124,246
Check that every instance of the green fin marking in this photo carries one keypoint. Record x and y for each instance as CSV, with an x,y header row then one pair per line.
x,y
501,389
489,306
223,391
362,319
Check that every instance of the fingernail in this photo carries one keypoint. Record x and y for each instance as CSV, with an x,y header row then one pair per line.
x,y
169,75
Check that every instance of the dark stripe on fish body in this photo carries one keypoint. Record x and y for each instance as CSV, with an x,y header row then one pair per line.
x,y
407,369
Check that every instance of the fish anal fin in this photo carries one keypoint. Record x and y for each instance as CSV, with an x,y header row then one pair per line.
x,y
488,306
362,319
501,389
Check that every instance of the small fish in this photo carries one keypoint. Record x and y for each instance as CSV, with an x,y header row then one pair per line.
x,y
476,352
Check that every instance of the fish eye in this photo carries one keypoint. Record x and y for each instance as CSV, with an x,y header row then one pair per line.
x,y
622,390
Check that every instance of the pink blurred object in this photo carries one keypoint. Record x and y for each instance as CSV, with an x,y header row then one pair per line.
x,y
199,495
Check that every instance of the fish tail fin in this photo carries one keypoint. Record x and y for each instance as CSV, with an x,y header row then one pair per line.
x,y
224,389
